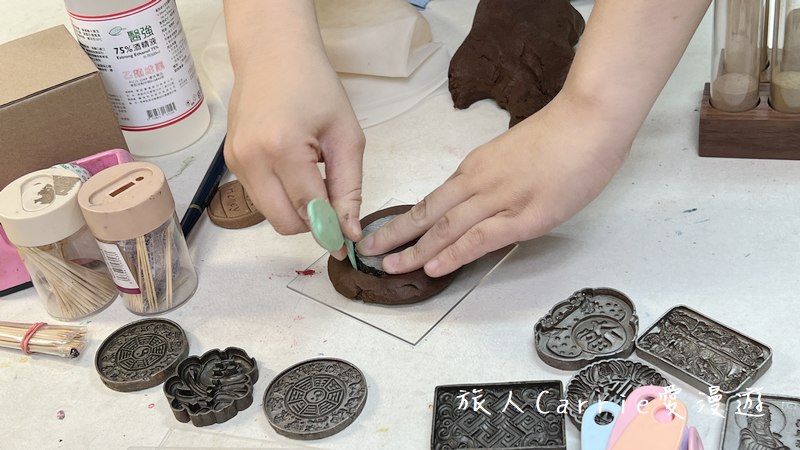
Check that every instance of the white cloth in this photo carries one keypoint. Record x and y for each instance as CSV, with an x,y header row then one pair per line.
x,y
382,49
388,38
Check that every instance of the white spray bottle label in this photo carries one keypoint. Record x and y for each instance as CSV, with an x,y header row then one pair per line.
x,y
144,61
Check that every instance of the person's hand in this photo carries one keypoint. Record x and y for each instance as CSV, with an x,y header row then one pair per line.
x,y
516,187
288,111
545,169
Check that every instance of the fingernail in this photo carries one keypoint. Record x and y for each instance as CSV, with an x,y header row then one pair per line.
x,y
303,212
390,263
366,244
340,254
355,227
431,268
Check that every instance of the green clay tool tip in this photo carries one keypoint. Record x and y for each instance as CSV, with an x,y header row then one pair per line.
x,y
351,253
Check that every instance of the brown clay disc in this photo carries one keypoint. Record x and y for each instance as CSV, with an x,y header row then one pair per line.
x,y
400,289
231,207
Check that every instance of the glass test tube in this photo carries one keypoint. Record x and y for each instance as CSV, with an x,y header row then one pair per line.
x,y
736,61
784,90
764,43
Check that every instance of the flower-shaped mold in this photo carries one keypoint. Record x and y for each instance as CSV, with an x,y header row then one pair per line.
x,y
592,324
212,388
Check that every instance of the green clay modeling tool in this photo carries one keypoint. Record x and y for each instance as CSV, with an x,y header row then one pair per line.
x,y
326,230
351,253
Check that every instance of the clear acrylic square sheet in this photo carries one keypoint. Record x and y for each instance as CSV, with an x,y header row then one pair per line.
x,y
410,323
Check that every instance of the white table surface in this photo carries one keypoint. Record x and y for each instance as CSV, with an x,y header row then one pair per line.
x,y
734,257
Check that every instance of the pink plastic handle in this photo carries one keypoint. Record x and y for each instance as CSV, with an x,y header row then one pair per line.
x,y
631,409
658,427
695,443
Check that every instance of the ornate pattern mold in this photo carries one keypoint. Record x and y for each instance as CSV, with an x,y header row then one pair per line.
x,y
772,424
609,380
212,388
459,425
592,324
703,352
315,398
141,354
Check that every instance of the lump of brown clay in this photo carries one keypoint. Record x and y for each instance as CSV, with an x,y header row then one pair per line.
x,y
399,289
518,53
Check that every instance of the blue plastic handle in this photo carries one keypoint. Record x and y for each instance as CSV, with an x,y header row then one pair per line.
x,y
593,435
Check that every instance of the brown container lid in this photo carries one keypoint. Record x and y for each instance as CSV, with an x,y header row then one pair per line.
x,y
126,201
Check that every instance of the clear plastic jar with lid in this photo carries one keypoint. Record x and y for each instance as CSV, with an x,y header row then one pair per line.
x,y
131,212
41,217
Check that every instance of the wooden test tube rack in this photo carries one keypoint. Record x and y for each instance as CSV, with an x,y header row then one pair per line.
x,y
760,133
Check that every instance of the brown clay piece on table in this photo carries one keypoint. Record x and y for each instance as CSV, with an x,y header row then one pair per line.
x,y
232,208
400,289
518,52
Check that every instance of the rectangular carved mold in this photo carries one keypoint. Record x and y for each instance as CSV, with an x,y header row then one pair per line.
x,y
703,352
457,427
769,422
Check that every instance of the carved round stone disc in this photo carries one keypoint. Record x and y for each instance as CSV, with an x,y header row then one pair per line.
x,y
141,354
592,324
609,380
315,398
231,207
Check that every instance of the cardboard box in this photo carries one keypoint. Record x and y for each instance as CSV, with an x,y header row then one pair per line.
x,y
53,107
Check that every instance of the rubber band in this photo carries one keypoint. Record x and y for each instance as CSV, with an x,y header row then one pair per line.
x,y
29,335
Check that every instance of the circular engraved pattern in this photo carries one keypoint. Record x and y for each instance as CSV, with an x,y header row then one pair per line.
x,y
315,398
609,380
141,354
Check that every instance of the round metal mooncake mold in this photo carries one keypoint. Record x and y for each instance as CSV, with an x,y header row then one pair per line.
x,y
315,399
141,354
591,325
609,380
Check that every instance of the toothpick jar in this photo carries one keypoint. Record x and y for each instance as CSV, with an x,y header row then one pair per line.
x,y
41,217
131,212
